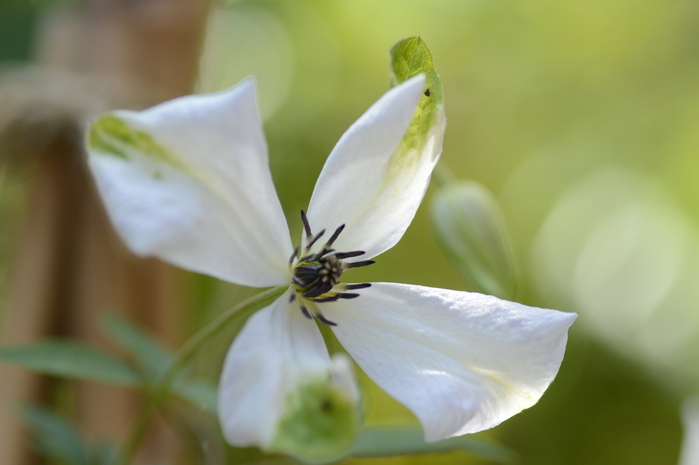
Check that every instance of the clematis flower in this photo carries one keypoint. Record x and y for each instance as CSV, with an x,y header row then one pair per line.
x,y
188,181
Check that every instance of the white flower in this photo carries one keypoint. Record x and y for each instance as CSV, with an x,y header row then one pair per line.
x,y
188,181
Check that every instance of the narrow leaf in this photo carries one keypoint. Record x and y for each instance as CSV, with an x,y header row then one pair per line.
x,y
150,356
385,441
56,438
155,360
71,360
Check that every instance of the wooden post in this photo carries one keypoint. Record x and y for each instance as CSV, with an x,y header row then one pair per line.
x,y
70,267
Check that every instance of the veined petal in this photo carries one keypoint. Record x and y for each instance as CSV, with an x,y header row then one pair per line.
x,y
377,174
461,362
281,391
188,181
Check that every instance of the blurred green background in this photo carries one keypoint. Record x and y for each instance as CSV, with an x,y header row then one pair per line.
x,y
581,117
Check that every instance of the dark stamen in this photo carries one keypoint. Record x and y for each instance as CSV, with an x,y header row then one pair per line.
x,y
334,236
307,258
353,287
306,226
304,310
308,271
324,320
313,284
321,289
318,236
313,257
323,253
298,281
293,255
317,275
358,264
356,253
336,297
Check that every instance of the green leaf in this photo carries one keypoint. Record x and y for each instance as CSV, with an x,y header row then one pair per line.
x,y
410,57
56,438
71,360
406,440
154,360
149,355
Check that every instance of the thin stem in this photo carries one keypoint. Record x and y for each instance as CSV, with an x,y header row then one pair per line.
x,y
160,390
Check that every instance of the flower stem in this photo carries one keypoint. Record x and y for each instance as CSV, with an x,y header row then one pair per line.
x,y
159,390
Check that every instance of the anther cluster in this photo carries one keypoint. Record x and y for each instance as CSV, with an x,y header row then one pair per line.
x,y
316,275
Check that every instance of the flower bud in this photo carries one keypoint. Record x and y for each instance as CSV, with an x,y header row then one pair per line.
x,y
322,416
689,455
471,230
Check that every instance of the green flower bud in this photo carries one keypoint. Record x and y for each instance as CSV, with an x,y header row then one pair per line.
x,y
471,230
322,417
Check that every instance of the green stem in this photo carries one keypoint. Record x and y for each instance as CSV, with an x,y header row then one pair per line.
x,y
160,390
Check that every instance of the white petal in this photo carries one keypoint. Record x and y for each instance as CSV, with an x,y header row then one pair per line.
x,y
344,377
188,181
371,182
461,362
277,348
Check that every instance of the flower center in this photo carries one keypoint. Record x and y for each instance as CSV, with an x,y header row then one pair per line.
x,y
315,273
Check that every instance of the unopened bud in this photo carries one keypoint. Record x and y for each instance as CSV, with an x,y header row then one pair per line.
x,y
471,230
322,416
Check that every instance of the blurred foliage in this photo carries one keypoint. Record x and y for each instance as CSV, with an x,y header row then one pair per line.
x,y
541,96
409,440
61,443
17,19
602,408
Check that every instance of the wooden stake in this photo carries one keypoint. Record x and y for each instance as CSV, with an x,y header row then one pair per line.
x,y
70,266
